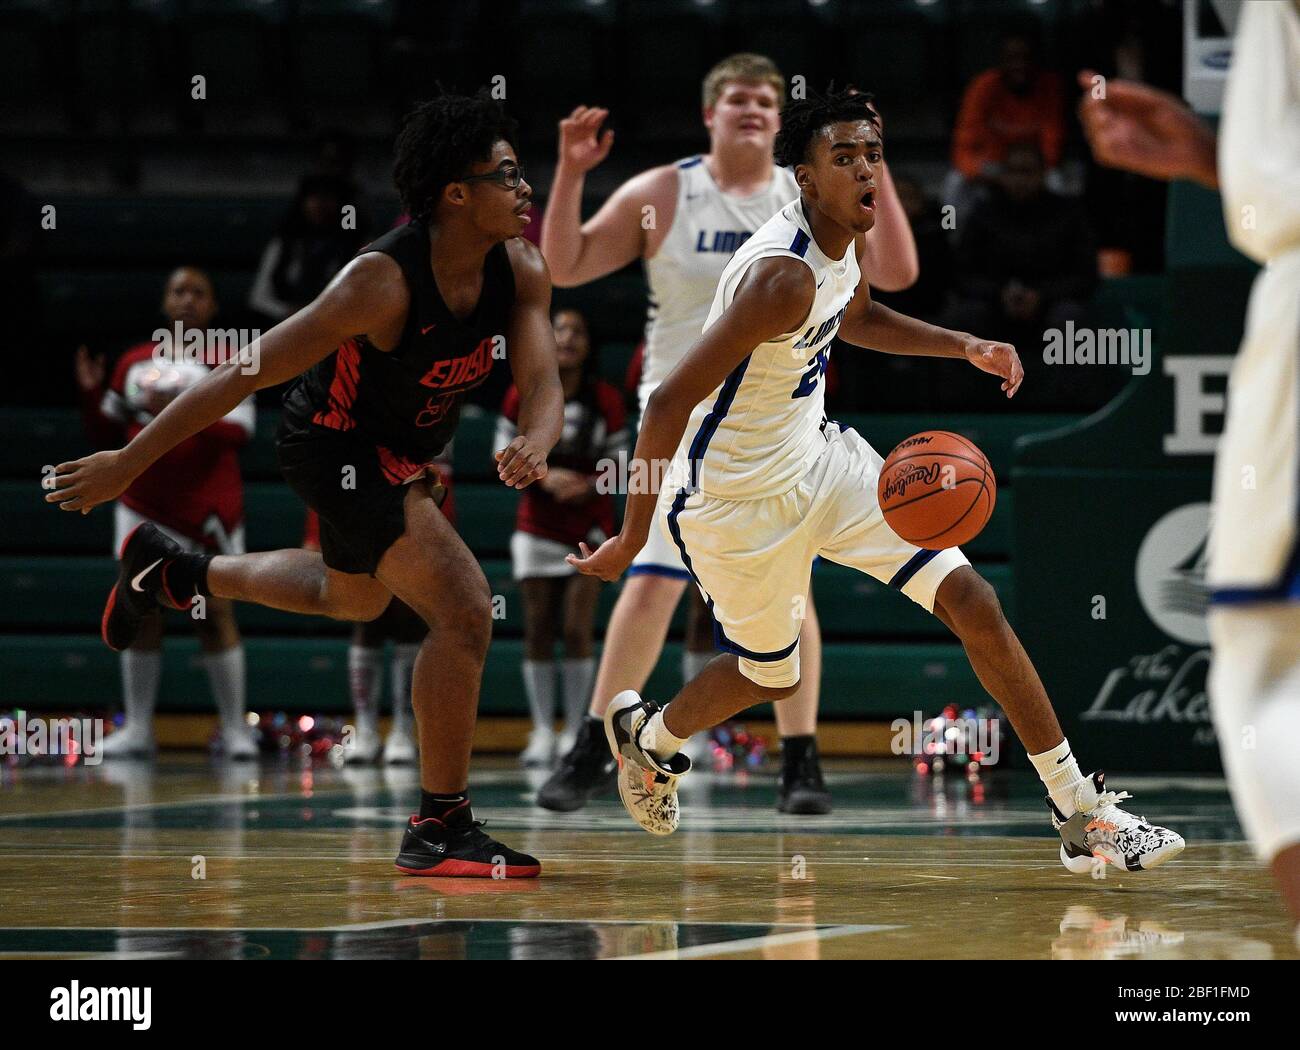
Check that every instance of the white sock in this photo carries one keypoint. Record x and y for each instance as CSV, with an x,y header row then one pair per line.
x,y
693,663
365,669
577,675
539,687
402,667
656,738
141,672
1058,769
226,678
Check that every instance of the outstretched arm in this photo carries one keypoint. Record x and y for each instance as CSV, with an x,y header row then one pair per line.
x,y
774,297
1146,131
369,294
873,326
579,252
530,345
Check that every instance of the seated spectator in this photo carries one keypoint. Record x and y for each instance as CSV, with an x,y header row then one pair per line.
x,y
311,246
1024,263
1013,104
193,494
557,513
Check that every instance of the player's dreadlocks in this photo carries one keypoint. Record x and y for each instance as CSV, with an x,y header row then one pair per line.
x,y
439,141
803,119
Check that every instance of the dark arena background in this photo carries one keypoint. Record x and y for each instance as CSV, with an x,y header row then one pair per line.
x,y
251,142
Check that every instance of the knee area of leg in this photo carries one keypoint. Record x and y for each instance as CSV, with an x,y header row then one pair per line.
x,y
775,694
975,604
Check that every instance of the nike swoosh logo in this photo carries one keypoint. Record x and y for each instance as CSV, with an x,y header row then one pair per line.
x,y
1065,759
821,282
426,331
135,580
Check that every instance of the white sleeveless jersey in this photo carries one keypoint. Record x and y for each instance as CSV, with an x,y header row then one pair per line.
x,y
708,226
1259,135
760,431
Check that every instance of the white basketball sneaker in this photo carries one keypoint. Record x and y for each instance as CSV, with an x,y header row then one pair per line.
x,y
647,786
1100,829
540,751
238,743
399,748
364,749
130,741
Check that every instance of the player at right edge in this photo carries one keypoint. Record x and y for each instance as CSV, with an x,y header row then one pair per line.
x,y
762,483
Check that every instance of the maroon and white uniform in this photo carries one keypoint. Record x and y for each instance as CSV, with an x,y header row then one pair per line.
x,y
595,435
194,492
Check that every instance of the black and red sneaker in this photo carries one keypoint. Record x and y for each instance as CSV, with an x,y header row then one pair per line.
x,y
141,584
455,846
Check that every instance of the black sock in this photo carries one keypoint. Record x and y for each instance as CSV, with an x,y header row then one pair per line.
x,y
185,576
439,806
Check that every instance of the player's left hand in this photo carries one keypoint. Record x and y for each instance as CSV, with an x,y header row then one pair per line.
x,y
999,358
521,462
608,561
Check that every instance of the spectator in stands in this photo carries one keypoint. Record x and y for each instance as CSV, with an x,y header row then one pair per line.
x,y
400,625
1015,103
317,237
562,510
1024,262
194,494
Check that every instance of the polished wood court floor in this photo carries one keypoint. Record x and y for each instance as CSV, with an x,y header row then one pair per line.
x,y
189,858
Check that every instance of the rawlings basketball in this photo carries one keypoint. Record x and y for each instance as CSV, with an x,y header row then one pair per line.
x,y
937,490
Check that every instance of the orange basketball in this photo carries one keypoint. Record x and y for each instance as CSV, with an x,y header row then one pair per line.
x,y
937,490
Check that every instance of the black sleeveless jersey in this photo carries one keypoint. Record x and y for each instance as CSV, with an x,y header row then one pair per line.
x,y
408,399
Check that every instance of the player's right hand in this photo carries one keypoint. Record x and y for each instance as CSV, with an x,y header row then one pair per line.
x,y
86,483
581,149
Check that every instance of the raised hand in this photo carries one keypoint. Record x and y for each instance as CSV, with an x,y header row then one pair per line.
x,y
581,148
89,369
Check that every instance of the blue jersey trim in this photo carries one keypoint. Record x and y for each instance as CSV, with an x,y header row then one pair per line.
x,y
690,163
800,244
915,564
649,569
700,443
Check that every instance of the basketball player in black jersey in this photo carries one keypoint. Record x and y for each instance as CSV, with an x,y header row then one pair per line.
x,y
383,358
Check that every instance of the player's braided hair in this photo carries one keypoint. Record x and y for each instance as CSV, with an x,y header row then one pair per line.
x,y
802,119
439,141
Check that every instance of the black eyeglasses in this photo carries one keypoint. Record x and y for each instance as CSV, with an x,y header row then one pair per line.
x,y
509,177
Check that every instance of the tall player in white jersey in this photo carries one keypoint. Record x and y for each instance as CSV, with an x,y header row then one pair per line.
x,y
762,483
1254,570
685,220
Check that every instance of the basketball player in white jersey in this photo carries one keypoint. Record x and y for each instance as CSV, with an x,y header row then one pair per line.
x,y
1254,570
685,220
762,483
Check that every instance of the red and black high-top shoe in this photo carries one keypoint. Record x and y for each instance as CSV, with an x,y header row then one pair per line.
x,y
141,585
455,845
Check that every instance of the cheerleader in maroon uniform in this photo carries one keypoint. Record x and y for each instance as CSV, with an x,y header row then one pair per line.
x,y
554,515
